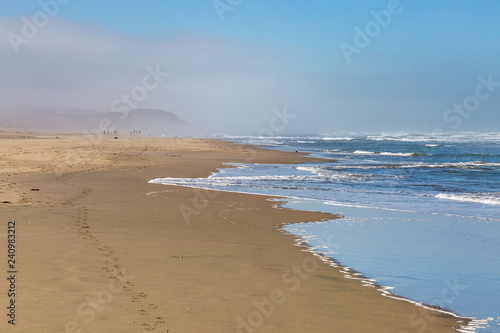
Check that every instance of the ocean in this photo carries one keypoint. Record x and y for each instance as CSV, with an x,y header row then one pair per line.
x,y
420,212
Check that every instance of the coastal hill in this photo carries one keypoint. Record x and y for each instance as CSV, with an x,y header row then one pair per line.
x,y
143,121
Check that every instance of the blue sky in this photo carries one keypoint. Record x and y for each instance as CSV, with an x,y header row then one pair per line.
x,y
228,75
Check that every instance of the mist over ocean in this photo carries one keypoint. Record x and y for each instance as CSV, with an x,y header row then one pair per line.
x,y
421,212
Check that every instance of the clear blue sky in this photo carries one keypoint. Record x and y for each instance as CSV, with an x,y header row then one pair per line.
x,y
230,74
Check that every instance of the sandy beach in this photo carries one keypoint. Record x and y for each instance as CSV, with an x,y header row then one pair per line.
x,y
99,249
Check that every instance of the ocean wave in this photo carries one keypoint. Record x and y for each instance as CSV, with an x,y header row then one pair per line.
x,y
484,198
462,165
318,170
398,154
337,138
364,152
478,165
235,180
318,175
404,139
391,136
331,150
332,174
313,169
386,153
436,137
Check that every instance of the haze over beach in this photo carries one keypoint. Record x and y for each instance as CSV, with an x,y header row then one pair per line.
x,y
224,66
250,166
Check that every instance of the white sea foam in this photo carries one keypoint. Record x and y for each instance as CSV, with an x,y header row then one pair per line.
x,y
308,168
396,154
364,152
331,174
458,165
433,138
436,137
384,153
337,138
331,150
484,198
214,180
466,165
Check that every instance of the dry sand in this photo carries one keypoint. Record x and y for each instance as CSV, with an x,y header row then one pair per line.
x,y
101,250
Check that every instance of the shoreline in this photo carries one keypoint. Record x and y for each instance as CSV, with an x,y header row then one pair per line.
x,y
229,263
353,274
349,272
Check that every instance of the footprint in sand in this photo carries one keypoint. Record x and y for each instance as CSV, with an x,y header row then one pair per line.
x,y
139,300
